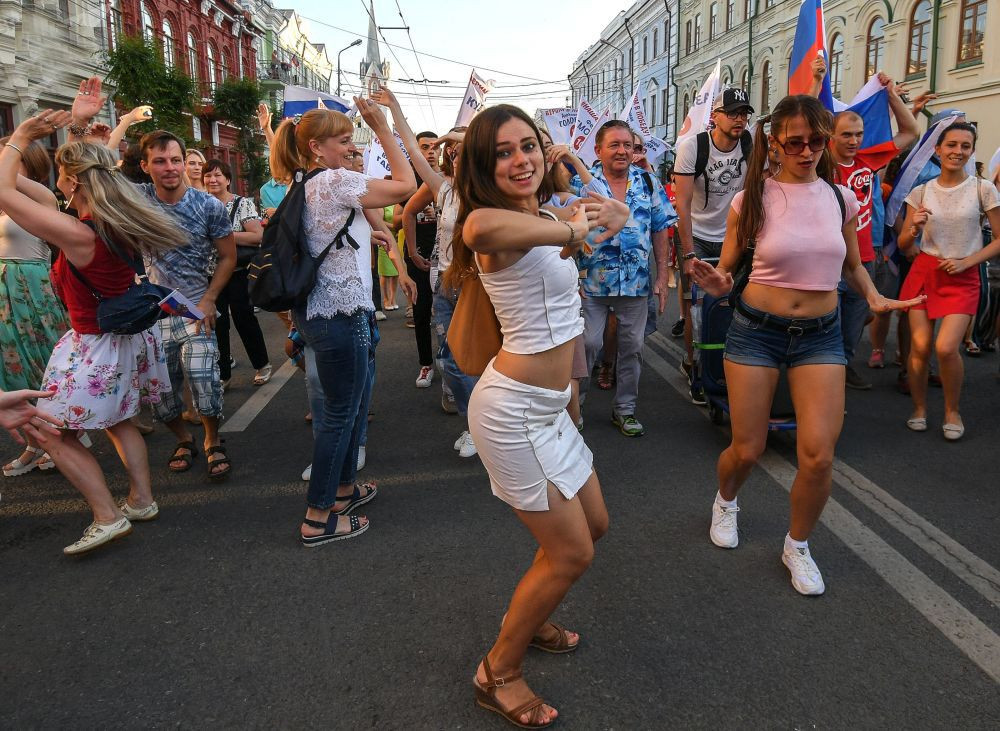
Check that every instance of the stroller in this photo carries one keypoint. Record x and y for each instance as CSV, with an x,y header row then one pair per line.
x,y
715,317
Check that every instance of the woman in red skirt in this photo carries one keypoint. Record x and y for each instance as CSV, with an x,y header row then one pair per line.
x,y
946,215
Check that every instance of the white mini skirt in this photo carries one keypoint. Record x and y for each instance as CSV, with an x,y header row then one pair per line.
x,y
525,439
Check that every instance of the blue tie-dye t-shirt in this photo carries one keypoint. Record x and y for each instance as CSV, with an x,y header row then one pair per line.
x,y
188,268
619,267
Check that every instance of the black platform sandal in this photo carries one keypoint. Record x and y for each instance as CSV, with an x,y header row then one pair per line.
x,y
330,531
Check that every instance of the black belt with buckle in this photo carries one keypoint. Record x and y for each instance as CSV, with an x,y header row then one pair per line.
x,y
786,325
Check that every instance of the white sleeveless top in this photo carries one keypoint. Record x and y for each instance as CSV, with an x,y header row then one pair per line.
x,y
16,243
537,301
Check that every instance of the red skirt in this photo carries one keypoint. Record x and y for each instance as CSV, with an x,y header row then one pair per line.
x,y
947,294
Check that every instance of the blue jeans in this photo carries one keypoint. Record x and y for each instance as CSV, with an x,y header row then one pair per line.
x,y
750,342
460,384
853,313
337,359
366,400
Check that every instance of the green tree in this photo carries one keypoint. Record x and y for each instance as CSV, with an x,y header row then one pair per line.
x,y
235,101
136,69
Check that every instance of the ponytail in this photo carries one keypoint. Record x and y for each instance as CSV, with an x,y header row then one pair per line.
x,y
291,151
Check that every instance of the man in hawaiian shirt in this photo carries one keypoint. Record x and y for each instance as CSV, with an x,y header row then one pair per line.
x,y
617,273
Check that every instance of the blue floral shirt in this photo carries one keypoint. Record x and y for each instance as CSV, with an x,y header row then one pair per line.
x,y
620,266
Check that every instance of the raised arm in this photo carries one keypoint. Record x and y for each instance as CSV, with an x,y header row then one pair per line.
x,y
818,66
420,200
427,174
35,216
141,113
264,120
906,123
383,193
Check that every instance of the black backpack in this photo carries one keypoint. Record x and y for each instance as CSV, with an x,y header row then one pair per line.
x,y
283,272
701,159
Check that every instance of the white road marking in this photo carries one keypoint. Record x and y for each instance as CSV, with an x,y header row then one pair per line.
x,y
245,415
977,641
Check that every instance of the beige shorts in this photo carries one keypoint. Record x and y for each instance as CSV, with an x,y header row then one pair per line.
x,y
526,439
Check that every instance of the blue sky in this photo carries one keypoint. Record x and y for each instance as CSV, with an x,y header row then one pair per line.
x,y
523,42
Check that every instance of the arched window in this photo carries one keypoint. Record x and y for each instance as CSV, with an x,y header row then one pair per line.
x,y
192,56
115,7
874,48
730,14
656,41
765,91
970,41
697,31
168,44
652,110
645,49
226,67
147,23
836,63
687,37
745,80
920,33
213,67
713,21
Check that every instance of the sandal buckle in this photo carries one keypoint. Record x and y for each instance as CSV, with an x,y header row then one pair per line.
x,y
499,682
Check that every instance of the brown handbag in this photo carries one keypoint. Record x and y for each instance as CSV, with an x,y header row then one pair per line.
x,y
474,333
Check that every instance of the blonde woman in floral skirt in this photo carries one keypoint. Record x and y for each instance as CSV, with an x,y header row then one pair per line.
x,y
98,379
32,319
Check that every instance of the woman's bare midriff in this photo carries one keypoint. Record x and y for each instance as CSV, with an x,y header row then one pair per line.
x,y
791,303
550,369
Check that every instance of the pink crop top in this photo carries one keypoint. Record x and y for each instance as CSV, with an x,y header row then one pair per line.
x,y
800,245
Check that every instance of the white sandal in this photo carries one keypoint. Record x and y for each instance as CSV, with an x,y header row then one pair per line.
x,y
39,460
917,423
263,375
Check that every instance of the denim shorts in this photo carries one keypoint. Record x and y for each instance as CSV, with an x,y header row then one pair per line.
x,y
751,343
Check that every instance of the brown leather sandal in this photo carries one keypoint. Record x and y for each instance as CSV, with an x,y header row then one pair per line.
x,y
485,698
559,646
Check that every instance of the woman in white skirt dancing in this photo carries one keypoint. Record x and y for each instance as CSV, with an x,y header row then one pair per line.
x,y
99,379
537,460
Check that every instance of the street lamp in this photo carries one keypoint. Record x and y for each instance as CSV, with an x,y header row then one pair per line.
x,y
356,43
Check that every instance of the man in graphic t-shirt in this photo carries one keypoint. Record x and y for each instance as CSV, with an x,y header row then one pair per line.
x,y
856,170
704,196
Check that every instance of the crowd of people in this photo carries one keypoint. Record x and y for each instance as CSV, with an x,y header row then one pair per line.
x,y
784,215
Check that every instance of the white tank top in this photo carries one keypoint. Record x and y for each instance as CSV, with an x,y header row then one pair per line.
x,y
537,301
16,243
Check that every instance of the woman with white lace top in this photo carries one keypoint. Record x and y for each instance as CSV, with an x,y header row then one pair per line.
x,y
335,321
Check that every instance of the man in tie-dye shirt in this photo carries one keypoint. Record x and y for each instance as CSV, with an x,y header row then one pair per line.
x,y
616,273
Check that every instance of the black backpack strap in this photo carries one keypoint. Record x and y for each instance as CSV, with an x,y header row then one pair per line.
x,y
701,160
648,182
840,202
746,145
235,211
344,235
136,264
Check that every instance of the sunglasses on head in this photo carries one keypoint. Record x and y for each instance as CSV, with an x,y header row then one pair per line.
x,y
794,147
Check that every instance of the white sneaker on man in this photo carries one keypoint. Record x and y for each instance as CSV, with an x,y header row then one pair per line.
x,y
362,457
465,446
139,515
97,535
307,473
806,578
425,377
724,532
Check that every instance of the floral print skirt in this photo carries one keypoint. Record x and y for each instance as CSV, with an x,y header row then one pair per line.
x,y
32,320
101,380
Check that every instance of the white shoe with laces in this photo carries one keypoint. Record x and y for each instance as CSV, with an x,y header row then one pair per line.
x,y
138,515
467,448
806,577
425,377
97,535
724,532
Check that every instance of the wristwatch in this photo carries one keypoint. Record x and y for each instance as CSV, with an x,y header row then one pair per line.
x,y
688,256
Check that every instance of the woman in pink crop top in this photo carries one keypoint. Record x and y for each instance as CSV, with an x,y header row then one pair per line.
x,y
787,315
98,379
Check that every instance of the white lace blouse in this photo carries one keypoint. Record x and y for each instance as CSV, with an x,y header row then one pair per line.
x,y
344,283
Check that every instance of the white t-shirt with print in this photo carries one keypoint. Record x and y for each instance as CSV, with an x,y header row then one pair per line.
x,y
725,172
954,228
344,280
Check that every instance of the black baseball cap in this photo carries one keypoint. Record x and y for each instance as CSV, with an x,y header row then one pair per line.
x,y
733,100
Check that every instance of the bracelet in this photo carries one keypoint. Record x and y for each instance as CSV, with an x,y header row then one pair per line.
x,y
11,144
688,256
79,131
572,233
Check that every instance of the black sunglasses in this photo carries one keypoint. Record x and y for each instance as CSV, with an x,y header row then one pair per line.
x,y
795,147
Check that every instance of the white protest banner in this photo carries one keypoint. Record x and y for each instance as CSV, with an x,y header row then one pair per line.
x,y
586,118
475,99
701,109
586,152
376,164
636,118
559,123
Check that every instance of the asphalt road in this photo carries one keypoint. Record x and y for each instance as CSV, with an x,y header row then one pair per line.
x,y
215,616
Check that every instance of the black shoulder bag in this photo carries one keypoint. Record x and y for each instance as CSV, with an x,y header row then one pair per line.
x,y
244,253
742,274
137,308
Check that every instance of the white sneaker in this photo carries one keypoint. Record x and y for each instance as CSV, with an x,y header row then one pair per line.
x,y
426,377
307,473
150,512
97,535
806,577
724,533
379,315
361,457
460,441
468,447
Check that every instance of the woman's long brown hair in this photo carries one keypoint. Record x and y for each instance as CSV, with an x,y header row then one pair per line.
x,y
752,214
475,182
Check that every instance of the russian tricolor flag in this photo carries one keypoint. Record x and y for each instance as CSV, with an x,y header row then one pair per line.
x,y
872,105
299,100
810,41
